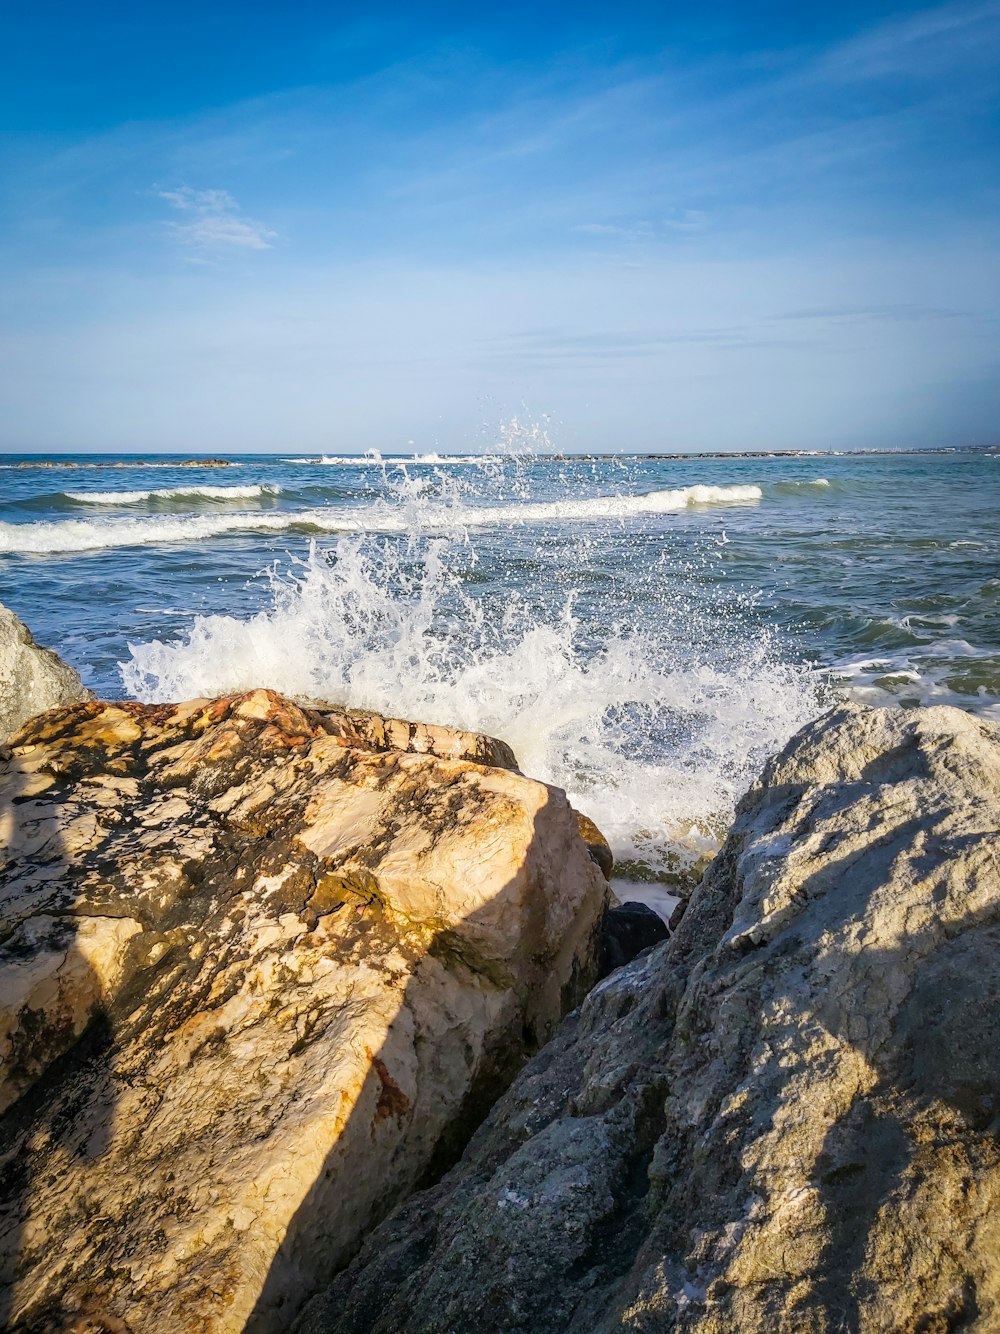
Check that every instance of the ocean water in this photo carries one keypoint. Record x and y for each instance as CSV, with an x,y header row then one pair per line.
x,y
644,631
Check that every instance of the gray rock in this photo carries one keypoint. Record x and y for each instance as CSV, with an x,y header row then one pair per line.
x,y
32,678
786,1118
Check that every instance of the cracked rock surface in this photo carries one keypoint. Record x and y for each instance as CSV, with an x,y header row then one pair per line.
x,y
264,969
786,1119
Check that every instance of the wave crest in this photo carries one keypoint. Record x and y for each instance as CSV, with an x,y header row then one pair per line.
x,y
172,493
69,535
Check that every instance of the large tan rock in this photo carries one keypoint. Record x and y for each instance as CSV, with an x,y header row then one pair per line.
x,y
261,976
32,678
783,1121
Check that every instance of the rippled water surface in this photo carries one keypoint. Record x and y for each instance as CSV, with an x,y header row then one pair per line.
x,y
644,631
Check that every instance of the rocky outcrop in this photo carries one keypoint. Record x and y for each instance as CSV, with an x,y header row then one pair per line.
x,y
32,678
786,1118
263,970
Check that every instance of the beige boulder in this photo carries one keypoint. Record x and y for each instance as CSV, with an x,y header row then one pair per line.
x,y
786,1120
262,975
32,678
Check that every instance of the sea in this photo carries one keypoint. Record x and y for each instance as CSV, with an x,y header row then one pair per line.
x,y
643,630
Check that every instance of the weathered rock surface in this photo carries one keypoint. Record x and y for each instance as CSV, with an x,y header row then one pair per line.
x,y
597,845
32,678
375,732
784,1119
261,975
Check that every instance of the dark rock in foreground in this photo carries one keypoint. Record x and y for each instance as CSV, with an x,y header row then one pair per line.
x,y
784,1120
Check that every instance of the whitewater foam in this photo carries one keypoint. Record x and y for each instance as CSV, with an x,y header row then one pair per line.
x,y
172,493
650,734
374,457
69,535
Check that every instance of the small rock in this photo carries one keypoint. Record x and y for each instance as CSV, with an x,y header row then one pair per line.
x,y
626,931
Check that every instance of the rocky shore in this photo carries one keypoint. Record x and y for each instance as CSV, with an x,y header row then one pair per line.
x,y
271,972
786,1118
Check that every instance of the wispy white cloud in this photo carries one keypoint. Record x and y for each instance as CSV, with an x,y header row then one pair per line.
x,y
916,43
683,220
213,221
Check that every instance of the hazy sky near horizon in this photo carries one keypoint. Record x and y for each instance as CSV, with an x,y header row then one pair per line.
x,y
316,227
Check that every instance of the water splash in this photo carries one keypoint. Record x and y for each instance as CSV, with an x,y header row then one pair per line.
x,y
604,658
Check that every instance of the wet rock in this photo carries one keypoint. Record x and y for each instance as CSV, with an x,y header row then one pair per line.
x,y
626,931
262,975
373,731
786,1120
597,845
32,678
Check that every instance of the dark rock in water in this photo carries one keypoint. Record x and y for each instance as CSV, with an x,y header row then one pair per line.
x,y
784,1121
597,845
626,931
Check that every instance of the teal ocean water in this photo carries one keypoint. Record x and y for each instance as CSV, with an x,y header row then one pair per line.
x,y
644,631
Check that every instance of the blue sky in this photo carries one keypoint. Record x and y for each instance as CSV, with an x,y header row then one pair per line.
x,y
241,227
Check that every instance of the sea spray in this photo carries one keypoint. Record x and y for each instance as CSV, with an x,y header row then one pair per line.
x,y
597,655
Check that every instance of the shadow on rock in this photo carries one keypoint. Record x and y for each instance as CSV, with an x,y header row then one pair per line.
x,y
785,1120
55,1034
263,980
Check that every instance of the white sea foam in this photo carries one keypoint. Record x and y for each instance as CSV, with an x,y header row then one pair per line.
x,y
925,673
172,493
654,731
801,483
614,507
347,460
68,535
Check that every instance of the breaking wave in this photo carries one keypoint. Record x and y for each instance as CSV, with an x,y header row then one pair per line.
x,y
172,493
373,457
69,535
653,710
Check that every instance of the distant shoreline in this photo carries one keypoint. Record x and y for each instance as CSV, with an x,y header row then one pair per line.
x,y
226,461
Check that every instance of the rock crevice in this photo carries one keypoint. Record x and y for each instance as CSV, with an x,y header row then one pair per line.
x,y
787,1117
